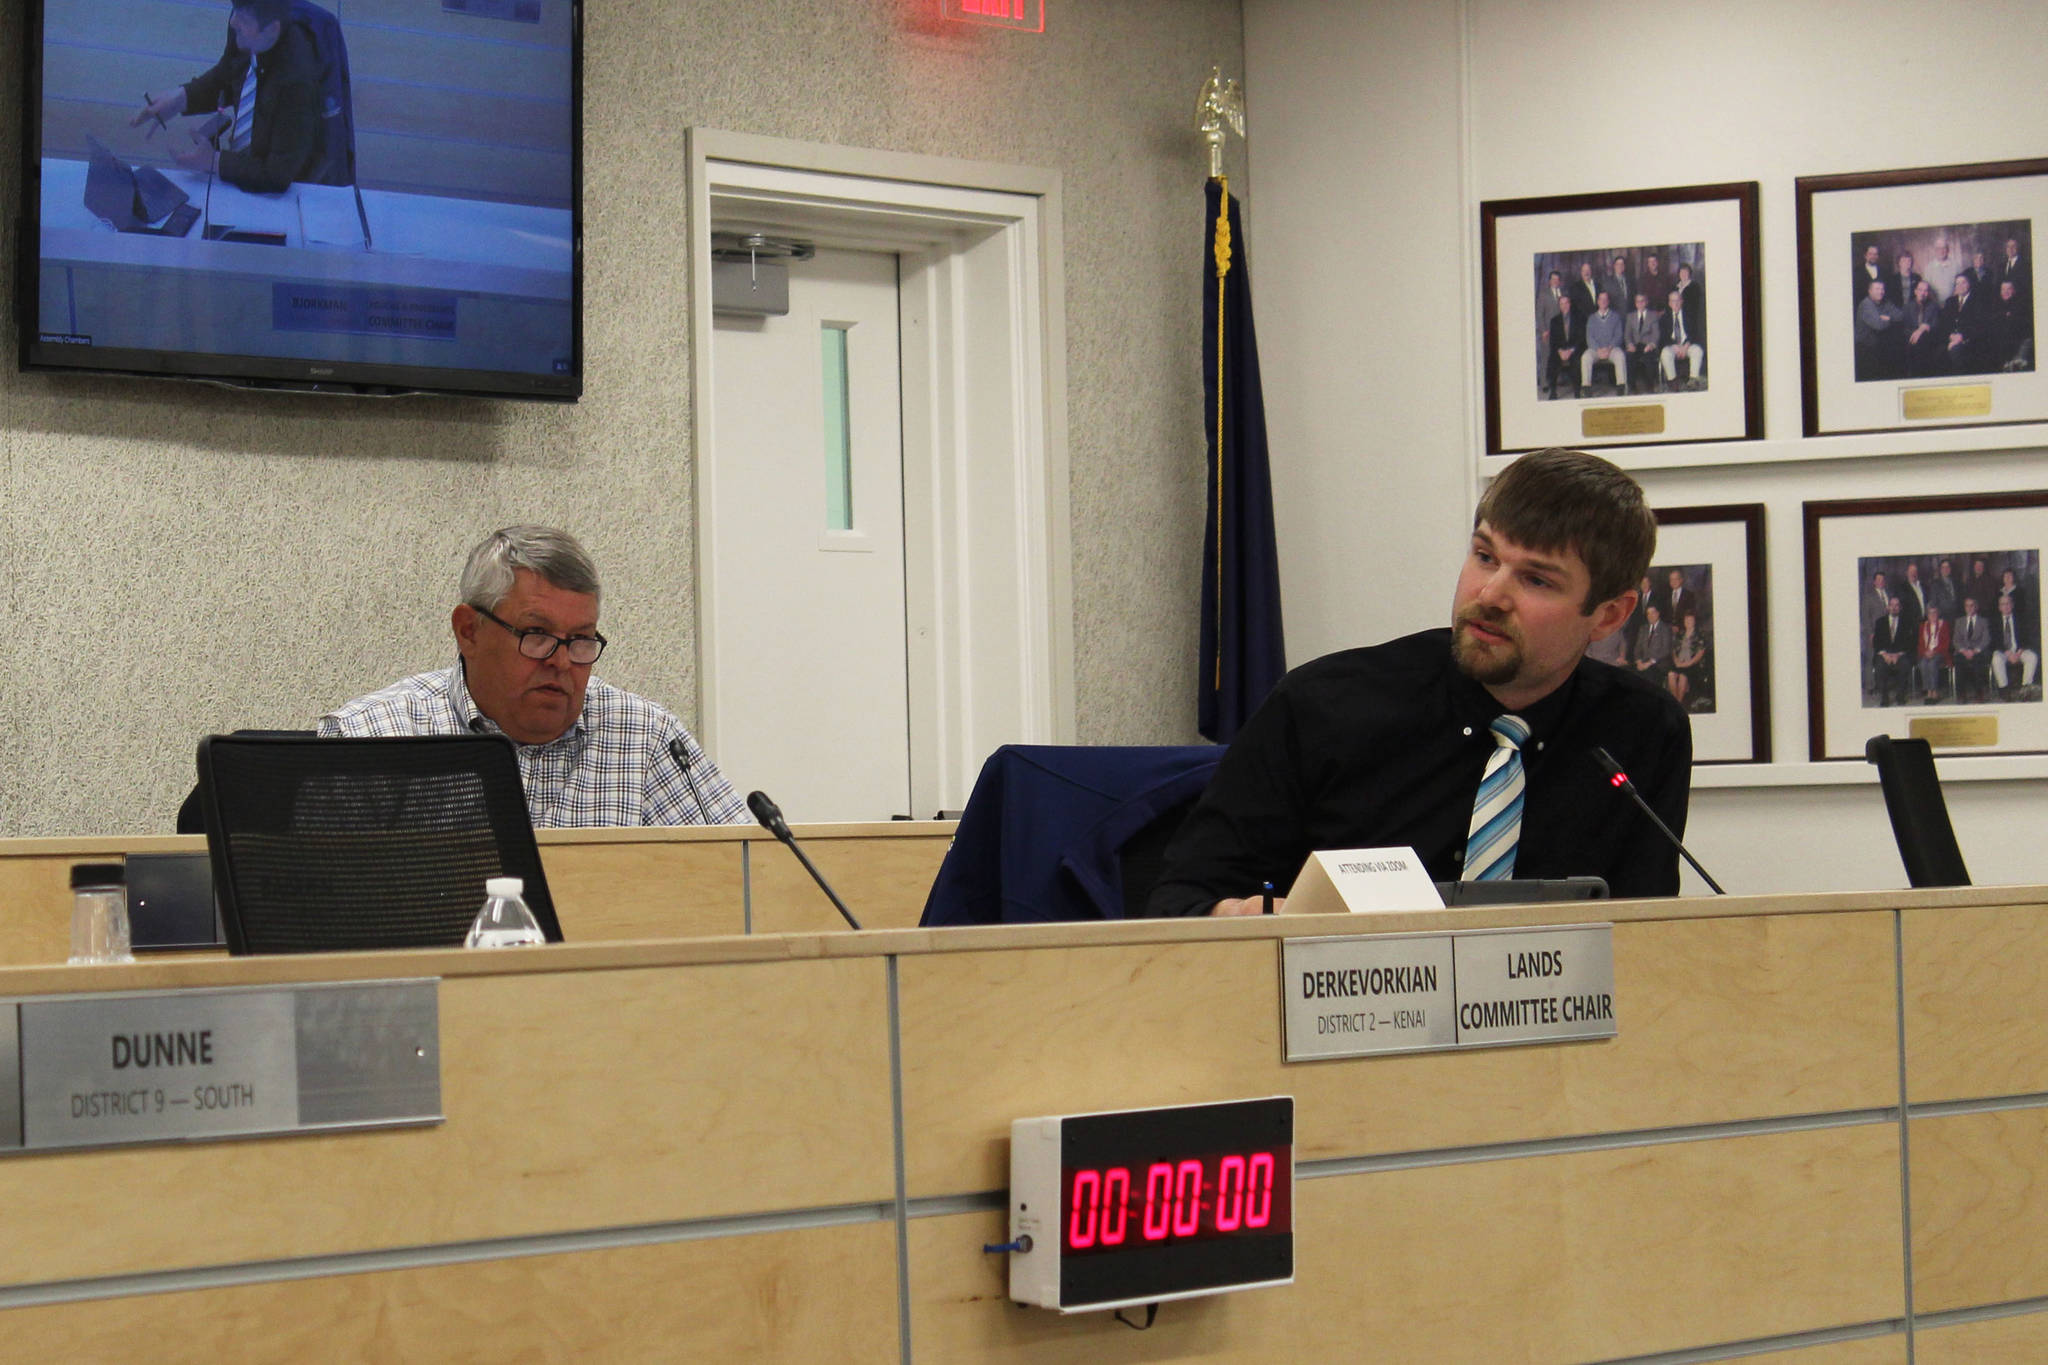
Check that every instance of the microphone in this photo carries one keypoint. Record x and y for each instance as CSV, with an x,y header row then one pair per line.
x,y
1620,779
770,815
680,752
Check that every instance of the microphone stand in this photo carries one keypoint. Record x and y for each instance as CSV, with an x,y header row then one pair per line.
x,y
1621,780
770,816
680,752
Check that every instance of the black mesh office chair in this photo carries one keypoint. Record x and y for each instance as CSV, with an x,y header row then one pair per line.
x,y
1912,796
334,845
191,815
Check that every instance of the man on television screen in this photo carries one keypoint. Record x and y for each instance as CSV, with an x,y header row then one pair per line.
x,y
266,89
1386,746
589,753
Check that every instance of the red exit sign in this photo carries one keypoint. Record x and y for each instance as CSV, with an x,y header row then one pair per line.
x,y
1027,15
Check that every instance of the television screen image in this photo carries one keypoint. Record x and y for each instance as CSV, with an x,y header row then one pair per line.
x,y
360,195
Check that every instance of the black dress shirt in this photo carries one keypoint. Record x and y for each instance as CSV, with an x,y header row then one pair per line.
x,y
1384,746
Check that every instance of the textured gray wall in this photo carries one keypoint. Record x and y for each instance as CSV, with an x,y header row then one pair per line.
x,y
176,559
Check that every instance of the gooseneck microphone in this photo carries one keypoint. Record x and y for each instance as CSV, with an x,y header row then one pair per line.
x,y
770,815
680,752
1620,779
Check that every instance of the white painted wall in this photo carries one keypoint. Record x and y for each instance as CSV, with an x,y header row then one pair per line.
x,y
1377,129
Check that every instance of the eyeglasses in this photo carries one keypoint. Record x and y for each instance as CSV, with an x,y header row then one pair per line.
x,y
535,643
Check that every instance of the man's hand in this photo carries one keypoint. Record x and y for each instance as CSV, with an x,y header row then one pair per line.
x,y
158,110
1247,905
191,153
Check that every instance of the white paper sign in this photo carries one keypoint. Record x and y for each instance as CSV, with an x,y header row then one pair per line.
x,y
1361,881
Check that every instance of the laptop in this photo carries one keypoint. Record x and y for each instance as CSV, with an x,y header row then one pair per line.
x,y
1531,892
134,200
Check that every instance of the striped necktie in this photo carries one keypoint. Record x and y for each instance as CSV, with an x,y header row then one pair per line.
x,y
245,111
1497,811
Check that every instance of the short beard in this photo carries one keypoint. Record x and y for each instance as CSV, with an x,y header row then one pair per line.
x,y
1472,664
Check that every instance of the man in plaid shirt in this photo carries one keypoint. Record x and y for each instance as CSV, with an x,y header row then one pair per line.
x,y
589,753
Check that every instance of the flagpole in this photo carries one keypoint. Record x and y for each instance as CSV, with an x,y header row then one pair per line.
x,y
1241,622
1220,111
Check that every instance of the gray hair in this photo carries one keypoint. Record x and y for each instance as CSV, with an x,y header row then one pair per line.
x,y
553,554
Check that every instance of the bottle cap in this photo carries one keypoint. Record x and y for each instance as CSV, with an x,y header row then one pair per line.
x,y
97,874
504,886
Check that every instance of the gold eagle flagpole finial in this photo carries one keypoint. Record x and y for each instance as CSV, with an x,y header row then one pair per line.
x,y
1218,111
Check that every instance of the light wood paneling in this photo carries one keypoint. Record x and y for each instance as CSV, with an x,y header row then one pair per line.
x,y
404,165
608,885
1980,1200
431,22
573,1100
817,1294
35,888
1575,1257
174,31
1994,1340
35,909
883,881
611,891
441,114
1976,989
1721,1019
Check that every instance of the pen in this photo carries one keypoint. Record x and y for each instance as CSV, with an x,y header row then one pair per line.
x,y
147,103
1266,897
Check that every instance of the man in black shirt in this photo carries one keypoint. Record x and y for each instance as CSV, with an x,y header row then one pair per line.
x,y
1384,746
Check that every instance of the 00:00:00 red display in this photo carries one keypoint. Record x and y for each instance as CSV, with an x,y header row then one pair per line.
x,y
1173,1205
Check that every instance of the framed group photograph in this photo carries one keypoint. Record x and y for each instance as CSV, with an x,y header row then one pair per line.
x,y
1916,298
1628,318
1699,629
1923,619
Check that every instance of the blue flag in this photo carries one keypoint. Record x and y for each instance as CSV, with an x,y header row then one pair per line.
x,y
1242,655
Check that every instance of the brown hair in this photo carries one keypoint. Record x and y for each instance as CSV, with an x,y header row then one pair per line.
x,y
1559,499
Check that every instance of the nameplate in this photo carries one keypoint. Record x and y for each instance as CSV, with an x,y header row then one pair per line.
x,y
1636,419
1346,997
1363,996
1954,732
1360,881
1535,985
1948,400
170,1066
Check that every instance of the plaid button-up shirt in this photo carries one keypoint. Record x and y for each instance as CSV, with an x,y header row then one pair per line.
x,y
612,767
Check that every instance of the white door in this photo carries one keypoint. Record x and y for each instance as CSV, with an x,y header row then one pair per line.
x,y
806,545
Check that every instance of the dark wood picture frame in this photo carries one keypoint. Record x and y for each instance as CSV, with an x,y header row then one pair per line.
x,y
1755,597
2027,532
1578,214
2031,406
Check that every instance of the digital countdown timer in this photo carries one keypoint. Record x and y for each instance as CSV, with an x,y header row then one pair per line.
x,y
1138,1206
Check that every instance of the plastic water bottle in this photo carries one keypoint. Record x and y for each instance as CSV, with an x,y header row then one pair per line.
x,y
504,922
99,913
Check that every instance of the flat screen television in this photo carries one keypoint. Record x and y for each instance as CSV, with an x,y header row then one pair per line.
x,y
393,207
